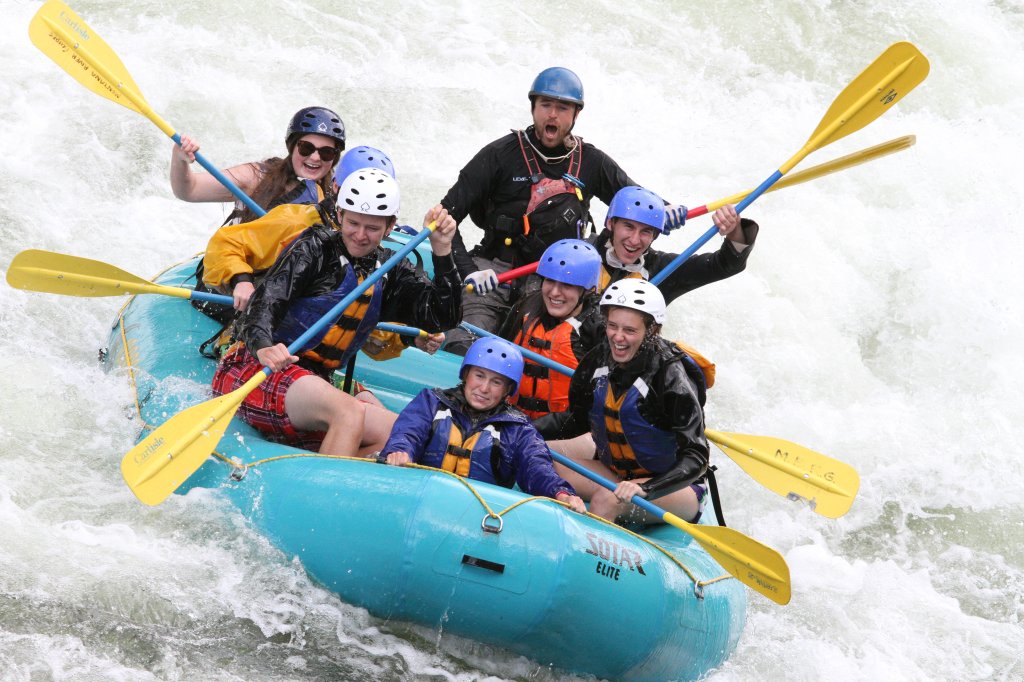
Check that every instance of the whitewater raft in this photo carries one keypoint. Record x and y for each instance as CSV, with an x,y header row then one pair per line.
x,y
425,546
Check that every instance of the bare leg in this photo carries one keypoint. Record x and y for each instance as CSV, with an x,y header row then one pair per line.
x,y
683,503
581,447
313,404
367,396
580,450
377,425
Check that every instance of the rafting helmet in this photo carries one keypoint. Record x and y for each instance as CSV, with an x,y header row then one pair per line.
x,y
638,204
363,157
370,191
637,294
497,355
558,82
318,120
571,261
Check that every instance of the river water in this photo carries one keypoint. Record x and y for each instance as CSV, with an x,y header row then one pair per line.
x,y
875,322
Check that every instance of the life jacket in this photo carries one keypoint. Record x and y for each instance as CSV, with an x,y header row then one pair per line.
x,y
306,192
332,348
626,442
555,210
605,277
543,390
382,345
301,194
474,454
704,364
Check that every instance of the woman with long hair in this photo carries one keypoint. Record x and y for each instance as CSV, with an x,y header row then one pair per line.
x,y
314,140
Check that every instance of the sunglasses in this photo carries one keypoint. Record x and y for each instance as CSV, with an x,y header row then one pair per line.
x,y
306,148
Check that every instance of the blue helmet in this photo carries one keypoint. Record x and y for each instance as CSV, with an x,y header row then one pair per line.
x,y
557,82
363,157
316,120
639,204
571,261
497,355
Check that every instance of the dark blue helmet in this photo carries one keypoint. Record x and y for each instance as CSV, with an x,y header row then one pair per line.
x,y
559,83
316,120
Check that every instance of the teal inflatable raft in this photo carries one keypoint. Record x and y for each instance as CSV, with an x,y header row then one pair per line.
x,y
425,546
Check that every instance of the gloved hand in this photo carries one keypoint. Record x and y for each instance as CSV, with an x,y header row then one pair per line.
x,y
483,281
675,217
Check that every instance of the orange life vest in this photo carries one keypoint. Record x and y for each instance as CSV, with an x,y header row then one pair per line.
x,y
543,390
706,366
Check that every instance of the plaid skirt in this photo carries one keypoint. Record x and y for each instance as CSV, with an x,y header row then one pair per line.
x,y
263,409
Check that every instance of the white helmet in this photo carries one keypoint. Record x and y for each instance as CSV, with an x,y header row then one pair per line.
x,y
370,191
638,294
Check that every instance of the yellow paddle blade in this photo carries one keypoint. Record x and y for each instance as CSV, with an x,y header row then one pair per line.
x,y
757,566
885,82
66,39
155,467
57,273
833,166
848,161
827,485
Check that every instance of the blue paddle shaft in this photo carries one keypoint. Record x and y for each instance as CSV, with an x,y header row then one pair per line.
x,y
227,300
400,329
223,179
703,239
578,468
604,482
212,298
536,357
334,313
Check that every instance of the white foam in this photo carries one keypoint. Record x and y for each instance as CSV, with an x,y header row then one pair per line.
x,y
878,321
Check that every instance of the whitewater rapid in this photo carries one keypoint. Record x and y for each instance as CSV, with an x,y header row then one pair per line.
x,y
879,320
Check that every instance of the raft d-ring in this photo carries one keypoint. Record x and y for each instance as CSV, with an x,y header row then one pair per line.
x,y
239,472
488,528
698,590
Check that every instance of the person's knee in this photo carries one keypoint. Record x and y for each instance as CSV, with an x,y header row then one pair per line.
x,y
604,504
366,396
344,411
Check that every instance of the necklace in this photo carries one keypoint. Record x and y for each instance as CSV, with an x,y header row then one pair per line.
x,y
553,159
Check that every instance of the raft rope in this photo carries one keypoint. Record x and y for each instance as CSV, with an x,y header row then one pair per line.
x,y
239,471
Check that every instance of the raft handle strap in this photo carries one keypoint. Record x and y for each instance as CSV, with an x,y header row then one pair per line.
x,y
715,500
